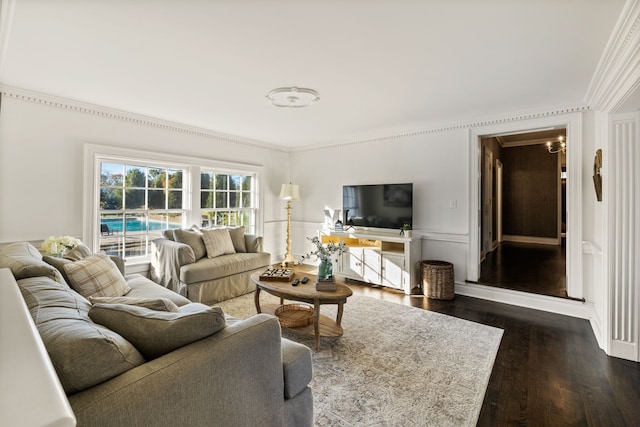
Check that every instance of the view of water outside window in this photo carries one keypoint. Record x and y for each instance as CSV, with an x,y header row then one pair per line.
x,y
137,202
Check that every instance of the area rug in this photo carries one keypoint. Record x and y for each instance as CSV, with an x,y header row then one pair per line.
x,y
395,365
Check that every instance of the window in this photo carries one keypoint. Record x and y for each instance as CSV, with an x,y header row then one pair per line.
x,y
135,195
227,200
137,202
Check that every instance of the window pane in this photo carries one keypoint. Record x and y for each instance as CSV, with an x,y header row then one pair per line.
x,y
206,219
206,199
156,177
221,200
175,220
111,174
175,178
234,200
221,182
156,199
235,182
246,200
111,237
175,199
206,181
221,218
246,183
134,199
136,176
110,198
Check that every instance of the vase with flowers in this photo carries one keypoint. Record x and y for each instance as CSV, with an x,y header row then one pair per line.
x,y
59,246
324,253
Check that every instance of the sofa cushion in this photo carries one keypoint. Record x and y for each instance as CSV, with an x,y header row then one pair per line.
x,y
24,261
193,239
218,242
158,304
237,238
222,266
155,333
82,352
96,275
167,233
142,287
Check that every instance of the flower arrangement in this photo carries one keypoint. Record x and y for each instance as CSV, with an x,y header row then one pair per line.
x,y
324,252
59,245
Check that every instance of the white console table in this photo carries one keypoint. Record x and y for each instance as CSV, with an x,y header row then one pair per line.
x,y
386,259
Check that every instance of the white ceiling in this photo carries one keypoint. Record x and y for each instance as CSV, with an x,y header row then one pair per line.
x,y
380,67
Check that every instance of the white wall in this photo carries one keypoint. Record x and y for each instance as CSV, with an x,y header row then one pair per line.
x,y
41,166
436,164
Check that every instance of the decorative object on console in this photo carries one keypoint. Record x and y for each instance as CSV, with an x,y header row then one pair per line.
x,y
59,246
325,268
405,230
292,97
289,192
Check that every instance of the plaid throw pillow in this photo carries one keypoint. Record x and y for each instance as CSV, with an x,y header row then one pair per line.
x,y
96,276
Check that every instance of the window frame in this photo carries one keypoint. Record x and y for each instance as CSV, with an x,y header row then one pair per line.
x,y
95,154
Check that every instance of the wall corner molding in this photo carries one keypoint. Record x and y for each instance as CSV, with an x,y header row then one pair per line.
x,y
618,73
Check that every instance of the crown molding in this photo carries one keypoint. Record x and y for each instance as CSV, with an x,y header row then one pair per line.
x,y
618,71
53,101
461,126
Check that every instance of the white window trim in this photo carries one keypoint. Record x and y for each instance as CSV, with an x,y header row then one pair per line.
x,y
94,153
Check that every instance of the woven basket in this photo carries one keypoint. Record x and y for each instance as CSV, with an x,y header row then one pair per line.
x,y
437,279
294,315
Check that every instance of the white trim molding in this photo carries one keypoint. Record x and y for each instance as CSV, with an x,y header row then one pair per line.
x,y
618,72
573,124
126,116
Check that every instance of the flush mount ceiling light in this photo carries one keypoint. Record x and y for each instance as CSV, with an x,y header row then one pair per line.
x,y
292,97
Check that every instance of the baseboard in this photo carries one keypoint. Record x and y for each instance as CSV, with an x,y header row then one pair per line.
x,y
531,239
567,307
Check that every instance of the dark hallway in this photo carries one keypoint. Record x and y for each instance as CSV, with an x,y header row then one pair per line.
x,y
535,268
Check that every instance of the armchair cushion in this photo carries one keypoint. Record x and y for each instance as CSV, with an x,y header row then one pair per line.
x,y
155,333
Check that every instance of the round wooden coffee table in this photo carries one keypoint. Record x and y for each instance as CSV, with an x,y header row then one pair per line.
x,y
322,325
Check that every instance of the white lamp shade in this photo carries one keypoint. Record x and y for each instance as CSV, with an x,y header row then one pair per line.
x,y
289,192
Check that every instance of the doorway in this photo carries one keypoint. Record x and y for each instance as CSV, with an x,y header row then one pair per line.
x,y
523,201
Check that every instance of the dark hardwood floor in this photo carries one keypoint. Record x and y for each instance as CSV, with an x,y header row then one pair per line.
x,y
549,370
539,269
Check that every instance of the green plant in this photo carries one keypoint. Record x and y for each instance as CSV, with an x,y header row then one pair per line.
x,y
406,226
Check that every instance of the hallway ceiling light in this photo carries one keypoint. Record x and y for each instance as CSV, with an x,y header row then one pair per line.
x,y
559,147
292,97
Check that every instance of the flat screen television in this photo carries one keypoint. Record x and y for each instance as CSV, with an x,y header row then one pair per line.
x,y
378,205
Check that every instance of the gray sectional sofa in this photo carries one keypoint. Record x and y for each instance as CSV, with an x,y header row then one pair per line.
x,y
117,364
207,265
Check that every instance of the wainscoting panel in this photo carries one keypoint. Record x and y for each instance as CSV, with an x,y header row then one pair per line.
x,y
624,224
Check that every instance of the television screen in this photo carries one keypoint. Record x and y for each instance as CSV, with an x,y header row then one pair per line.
x,y
378,205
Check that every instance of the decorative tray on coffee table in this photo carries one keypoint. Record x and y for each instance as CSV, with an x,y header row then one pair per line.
x,y
279,274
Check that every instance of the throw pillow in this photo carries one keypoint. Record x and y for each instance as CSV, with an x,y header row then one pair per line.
x,y
193,239
237,237
155,333
78,253
58,263
96,275
218,242
157,304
